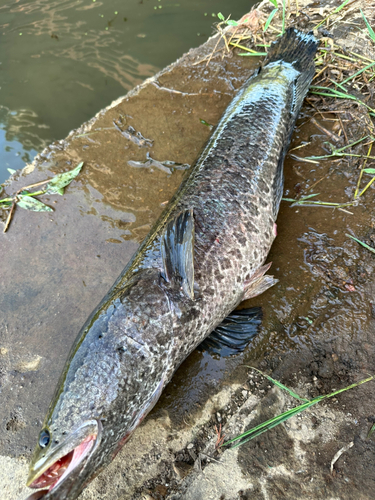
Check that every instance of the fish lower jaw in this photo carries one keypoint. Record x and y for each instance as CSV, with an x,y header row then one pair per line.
x,y
64,465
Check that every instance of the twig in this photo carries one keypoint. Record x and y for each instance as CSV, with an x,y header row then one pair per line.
x,y
324,130
339,453
9,218
172,91
343,129
212,53
220,437
33,185
317,182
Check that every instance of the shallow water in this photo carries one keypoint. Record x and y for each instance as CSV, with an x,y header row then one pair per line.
x,y
62,61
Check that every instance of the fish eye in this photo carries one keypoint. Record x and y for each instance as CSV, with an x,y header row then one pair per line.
x,y
44,438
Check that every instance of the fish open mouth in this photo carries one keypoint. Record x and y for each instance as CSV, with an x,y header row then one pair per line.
x,y
62,467
52,469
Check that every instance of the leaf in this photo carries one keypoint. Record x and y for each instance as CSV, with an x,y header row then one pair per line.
x,y
274,2
270,17
307,197
11,171
232,23
221,17
370,30
369,170
61,180
30,203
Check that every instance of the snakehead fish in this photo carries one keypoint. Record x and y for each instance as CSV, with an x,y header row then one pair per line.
x,y
204,256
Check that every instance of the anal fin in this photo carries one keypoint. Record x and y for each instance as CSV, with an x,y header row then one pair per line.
x,y
234,333
259,282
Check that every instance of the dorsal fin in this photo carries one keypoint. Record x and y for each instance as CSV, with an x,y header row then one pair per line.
x,y
177,252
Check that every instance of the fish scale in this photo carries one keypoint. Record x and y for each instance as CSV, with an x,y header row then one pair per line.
x,y
203,257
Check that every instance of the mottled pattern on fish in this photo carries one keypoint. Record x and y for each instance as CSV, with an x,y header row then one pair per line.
x,y
145,327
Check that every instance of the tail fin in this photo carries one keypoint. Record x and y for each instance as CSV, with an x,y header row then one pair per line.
x,y
296,48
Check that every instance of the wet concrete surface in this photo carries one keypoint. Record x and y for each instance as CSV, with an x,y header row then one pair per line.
x,y
317,333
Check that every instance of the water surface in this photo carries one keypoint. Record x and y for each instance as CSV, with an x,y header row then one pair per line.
x,y
61,61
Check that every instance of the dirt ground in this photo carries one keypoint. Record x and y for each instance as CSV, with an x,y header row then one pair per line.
x,y
318,329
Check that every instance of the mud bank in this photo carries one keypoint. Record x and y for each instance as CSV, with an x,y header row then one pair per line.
x,y
318,328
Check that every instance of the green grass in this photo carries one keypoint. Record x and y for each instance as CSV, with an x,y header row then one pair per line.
x,y
329,92
369,29
357,73
269,19
361,243
283,417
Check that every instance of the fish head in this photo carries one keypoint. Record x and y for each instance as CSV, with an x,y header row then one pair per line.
x,y
109,384
60,458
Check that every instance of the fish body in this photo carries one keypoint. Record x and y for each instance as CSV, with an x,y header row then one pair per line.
x,y
205,255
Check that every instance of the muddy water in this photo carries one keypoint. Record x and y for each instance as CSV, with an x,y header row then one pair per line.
x,y
63,61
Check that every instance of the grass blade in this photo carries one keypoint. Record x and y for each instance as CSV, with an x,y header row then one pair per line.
x,y
358,73
269,19
352,144
328,92
280,385
361,173
274,2
338,85
308,159
251,52
361,243
340,7
7,201
309,196
370,30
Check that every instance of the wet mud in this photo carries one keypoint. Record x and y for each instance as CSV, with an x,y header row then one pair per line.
x,y
319,321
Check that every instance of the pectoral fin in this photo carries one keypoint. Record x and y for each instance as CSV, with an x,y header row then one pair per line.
x,y
234,333
177,251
